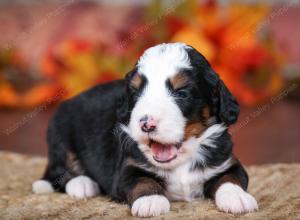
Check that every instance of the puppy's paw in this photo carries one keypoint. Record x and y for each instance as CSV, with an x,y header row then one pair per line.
x,y
232,198
148,206
42,186
82,187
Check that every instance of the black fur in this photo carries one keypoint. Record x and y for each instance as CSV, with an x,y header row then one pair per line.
x,y
89,127
221,101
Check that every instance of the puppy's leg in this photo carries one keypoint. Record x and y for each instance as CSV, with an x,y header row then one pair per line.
x,y
229,191
143,192
58,171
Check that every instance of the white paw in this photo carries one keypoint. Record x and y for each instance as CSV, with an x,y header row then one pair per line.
x,y
147,206
42,186
82,187
232,198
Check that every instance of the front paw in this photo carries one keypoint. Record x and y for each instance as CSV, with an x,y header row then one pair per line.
x,y
148,206
232,198
82,187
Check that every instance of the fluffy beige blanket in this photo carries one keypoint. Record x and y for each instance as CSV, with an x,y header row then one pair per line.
x,y
276,187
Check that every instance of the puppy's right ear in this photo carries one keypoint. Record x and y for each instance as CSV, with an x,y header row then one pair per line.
x,y
123,102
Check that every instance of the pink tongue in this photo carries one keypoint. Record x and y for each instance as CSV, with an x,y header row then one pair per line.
x,y
163,152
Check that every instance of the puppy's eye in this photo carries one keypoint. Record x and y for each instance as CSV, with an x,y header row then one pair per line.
x,y
181,93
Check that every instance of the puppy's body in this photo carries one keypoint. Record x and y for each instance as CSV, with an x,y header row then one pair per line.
x,y
101,141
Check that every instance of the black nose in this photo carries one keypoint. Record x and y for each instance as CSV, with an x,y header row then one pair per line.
x,y
147,123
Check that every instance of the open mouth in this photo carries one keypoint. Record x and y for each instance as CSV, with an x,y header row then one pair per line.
x,y
164,153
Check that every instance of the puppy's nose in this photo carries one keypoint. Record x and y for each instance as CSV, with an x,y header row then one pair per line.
x,y
148,124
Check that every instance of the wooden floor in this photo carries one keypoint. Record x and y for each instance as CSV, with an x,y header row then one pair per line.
x,y
262,135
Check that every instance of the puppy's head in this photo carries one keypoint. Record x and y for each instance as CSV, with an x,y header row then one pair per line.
x,y
172,96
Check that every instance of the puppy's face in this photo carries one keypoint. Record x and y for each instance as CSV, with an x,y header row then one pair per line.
x,y
173,94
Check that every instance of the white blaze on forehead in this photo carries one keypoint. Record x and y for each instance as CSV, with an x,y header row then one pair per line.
x,y
158,64
164,60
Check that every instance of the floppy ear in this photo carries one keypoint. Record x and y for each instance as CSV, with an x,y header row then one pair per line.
x,y
123,101
224,103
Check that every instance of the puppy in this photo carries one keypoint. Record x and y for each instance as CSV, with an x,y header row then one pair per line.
x,y
159,135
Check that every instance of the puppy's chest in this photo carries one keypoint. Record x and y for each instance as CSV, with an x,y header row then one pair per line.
x,y
183,184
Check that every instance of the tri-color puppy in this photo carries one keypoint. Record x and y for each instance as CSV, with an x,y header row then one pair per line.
x,y
159,135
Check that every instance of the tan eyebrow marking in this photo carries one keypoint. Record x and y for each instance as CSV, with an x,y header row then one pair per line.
x,y
179,80
136,81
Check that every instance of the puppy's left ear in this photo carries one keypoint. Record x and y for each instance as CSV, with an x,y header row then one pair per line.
x,y
225,105
222,103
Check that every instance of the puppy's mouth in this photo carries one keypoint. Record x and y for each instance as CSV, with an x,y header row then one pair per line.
x,y
164,153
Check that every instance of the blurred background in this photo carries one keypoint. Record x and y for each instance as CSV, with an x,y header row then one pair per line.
x,y
52,50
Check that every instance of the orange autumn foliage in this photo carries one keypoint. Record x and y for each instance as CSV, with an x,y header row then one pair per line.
x,y
14,73
229,37
77,64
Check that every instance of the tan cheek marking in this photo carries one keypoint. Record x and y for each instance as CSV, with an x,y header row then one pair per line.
x,y
136,81
206,112
205,115
178,81
193,129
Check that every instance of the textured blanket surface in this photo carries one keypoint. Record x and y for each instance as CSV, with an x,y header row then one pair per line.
x,y
276,187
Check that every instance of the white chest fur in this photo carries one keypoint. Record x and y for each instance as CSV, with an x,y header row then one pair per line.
x,y
184,184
